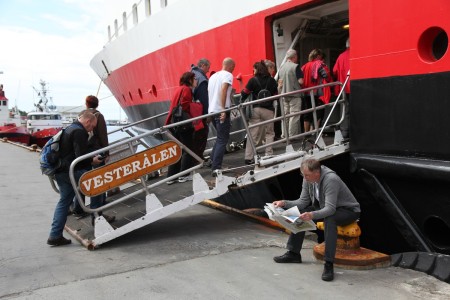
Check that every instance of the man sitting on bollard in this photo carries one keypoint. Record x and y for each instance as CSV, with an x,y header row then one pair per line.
x,y
324,196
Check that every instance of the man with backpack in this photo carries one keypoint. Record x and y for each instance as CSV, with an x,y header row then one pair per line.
x,y
260,86
73,144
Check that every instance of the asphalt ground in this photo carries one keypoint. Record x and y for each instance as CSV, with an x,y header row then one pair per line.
x,y
199,253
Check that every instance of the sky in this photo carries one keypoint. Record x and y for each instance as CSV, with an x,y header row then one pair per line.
x,y
54,41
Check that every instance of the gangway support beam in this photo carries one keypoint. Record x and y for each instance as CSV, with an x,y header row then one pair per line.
x,y
158,211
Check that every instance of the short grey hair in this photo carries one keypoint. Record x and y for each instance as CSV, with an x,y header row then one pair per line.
x,y
311,164
291,53
203,62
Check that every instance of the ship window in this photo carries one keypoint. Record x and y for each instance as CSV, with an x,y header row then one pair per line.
x,y
131,97
154,91
433,44
140,93
123,96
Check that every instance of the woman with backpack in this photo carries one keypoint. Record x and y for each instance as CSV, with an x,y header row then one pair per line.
x,y
260,86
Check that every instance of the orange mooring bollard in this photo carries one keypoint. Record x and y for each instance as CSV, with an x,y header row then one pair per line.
x,y
349,254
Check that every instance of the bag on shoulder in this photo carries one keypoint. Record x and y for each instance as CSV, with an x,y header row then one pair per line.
x,y
248,109
264,92
178,115
49,159
196,109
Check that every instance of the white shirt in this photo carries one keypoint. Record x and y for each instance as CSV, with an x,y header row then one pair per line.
x,y
215,90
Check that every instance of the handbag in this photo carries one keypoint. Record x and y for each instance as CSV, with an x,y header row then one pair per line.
x,y
248,109
178,115
196,109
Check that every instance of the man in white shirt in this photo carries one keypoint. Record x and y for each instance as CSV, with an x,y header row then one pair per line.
x,y
219,92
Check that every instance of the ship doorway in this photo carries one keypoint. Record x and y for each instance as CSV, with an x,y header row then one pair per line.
x,y
323,26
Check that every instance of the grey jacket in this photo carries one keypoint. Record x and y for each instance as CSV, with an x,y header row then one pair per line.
x,y
333,193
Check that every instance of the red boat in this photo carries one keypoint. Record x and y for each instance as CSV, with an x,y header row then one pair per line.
x,y
10,123
399,160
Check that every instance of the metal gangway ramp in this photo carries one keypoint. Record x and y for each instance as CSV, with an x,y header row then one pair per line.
x,y
147,198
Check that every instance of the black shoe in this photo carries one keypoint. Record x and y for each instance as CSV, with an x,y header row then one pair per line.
x,y
249,162
328,272
61,241
288,257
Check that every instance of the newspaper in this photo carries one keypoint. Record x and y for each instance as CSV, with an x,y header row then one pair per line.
x,y
289,219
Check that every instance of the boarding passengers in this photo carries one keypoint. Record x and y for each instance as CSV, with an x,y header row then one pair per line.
x,y
183,96
97,140
324,196
262,111
315,73
219,92
74,143
290,79
340,71
201,93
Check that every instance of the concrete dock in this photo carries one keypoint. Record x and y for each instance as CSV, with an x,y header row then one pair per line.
x,y
199,253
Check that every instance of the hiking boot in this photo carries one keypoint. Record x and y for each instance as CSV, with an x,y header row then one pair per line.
x,y
328,272
288,257
61,241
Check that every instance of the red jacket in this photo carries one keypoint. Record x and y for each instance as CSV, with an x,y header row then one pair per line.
x,y
184,93
340,70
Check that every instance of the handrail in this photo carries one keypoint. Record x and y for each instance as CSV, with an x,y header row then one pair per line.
x,y
166,131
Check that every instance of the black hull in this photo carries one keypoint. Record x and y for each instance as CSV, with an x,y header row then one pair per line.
x,y
398,166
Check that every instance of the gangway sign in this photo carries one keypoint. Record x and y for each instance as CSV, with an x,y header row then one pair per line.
x,y
100,180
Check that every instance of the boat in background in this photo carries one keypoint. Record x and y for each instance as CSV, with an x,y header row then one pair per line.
x,y
45,121
11,122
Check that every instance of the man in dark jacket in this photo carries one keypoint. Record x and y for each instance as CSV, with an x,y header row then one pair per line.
x,y
74,143
324,196
201,93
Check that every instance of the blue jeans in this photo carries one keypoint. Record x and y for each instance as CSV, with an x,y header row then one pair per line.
x,y
223,135
66,194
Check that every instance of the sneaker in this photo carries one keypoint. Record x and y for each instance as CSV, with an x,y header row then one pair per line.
x,y
328,272
170,182
184,179
249,162
61,241
288,257
207,163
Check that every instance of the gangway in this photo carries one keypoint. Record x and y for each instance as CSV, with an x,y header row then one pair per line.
x,y
144,200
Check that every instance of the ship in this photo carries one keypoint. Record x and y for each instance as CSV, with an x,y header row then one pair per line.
x,y
45,121
11,127
398,165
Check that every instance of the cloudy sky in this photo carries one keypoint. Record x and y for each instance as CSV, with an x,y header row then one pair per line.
x,y
54,40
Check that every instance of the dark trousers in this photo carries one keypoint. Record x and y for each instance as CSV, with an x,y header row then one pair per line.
x,y
342,217
200,138
223,135
185,162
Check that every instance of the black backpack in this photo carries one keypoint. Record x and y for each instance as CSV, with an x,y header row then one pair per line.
x,y
263,93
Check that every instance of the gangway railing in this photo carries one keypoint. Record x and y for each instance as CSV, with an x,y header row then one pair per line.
x,y
265,167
